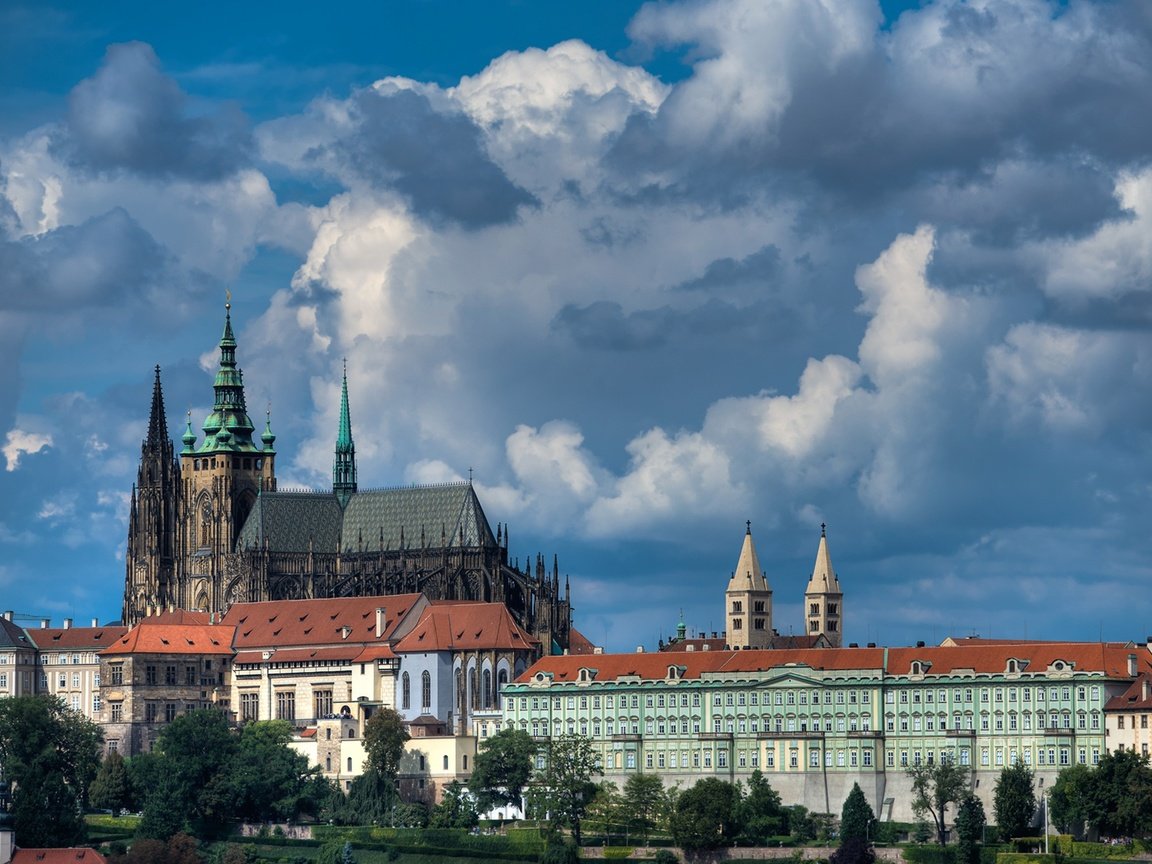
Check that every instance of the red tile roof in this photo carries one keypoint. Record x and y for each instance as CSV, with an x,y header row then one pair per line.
x,y
1134,698
284,623
87,638
465,626
180,616
149,637
578,643
1109,658
58,856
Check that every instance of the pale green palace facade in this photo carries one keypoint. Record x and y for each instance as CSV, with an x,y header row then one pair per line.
x,y
815,721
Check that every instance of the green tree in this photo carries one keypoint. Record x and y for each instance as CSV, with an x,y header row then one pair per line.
x,y
1014,801
643,794
502,768
372,798
50,756
1070,799
606,810
853,850
271,781
856,818
935,786
456,809
384,740
969,829
193,783
564,788
759,813
111,789
1120,795
704,817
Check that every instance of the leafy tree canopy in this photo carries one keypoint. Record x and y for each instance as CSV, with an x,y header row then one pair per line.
x,y
704,817
457,809
643,795
502,768
384,740
1014,801
935,785
969,829
50,755
759,813
112,788
564,788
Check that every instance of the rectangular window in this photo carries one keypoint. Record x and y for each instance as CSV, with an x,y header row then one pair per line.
x,y
722,759
286,705
170,675
321,702
117,711
249,706
190,676
169,712
149,674
150,712
866,755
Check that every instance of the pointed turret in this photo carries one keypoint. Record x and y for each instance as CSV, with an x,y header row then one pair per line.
x,y
344,465
157,422
824,598
228,428
748,600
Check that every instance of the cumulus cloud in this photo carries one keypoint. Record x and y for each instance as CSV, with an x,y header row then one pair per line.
x,y
130,116
19,443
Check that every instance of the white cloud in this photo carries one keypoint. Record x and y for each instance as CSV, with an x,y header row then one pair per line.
x,y
19,443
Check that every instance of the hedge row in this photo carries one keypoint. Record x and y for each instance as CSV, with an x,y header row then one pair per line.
x,y
385,846
516,842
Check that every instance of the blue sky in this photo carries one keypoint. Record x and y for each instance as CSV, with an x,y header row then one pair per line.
x,y
650,270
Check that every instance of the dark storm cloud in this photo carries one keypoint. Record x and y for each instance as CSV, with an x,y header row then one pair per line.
x,y
436,159
724,273
604,325
101,262
1029,80
130,116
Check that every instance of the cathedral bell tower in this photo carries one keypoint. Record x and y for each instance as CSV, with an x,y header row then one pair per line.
x,y
222,478
152,553
748,600
824,598
344,465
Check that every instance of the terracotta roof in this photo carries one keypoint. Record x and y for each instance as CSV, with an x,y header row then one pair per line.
x,y
1138,697
720,643
180,616
578,643
283,623
48,638
449,626
301,655
58,856
149,637
1110,659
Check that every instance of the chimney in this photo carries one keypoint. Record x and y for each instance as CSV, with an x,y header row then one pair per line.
x,y
45,623
67,623
689,647
598,649
380,619
1132,670
639,649
95,622
706,646
920,644
8,615
1144,689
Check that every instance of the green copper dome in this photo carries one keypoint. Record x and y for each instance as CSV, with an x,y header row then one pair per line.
x,y
228,428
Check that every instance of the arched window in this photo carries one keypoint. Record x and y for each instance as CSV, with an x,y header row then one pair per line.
x,y
487,696
328,763
406,691
501,680
426,691
472,694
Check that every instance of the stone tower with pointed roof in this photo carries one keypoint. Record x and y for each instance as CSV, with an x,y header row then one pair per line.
x,y
150,583
748,600
216,531
824,598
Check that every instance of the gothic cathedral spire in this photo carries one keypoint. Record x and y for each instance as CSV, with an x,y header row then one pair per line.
x,y
150,571
344,465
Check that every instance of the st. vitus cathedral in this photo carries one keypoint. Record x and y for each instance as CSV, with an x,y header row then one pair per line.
x,y
208,528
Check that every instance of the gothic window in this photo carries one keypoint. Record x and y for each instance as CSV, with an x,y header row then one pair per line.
x,y
426,691
405,691
487,688
814,609
502,679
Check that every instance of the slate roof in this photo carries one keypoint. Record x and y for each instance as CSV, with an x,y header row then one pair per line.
x,y
455,626
289,520
12,636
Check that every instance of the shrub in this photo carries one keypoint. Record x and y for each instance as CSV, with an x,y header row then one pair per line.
x,y
665,856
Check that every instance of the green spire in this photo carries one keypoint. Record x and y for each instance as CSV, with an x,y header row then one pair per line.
x,y
189,436
344,466
228,427
268,438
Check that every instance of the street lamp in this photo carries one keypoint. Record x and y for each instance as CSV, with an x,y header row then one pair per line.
x,y
1046,791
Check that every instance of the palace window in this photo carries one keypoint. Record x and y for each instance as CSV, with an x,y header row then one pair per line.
x,y
250,706
170,675
286,705
117,711
149,674
426,688
321,702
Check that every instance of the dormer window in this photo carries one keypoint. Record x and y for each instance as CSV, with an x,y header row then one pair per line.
x,y
586,675
920,667
673,673
1016,666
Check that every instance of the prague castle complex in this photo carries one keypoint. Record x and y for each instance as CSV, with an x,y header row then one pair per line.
x,y
208,528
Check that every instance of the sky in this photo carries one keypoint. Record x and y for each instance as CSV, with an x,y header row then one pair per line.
x,y
647,270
